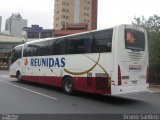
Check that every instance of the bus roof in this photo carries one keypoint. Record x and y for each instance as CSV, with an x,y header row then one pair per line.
x,y
45,39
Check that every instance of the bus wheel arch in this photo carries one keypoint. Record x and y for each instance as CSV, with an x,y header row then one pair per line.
x,y
68,85
18,76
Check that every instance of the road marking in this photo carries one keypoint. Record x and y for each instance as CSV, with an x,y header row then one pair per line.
x,y
150,91
5,76
53,98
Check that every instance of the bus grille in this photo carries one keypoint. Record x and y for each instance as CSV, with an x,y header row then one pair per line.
x,y
135,56
102,83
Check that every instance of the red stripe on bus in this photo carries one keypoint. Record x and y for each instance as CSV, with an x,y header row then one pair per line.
x,y
84,84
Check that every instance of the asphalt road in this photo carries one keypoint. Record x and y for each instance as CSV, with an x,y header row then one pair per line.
x,y
29,98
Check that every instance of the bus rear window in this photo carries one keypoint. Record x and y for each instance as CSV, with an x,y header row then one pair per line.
x,y
134,40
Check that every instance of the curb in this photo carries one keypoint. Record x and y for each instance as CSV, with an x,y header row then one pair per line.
x,y
154,86
5,76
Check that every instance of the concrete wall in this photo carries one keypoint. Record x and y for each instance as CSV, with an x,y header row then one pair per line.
x,y
0,23
9,42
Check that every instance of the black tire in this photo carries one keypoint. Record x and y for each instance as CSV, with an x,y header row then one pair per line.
x,y
68,85
18,76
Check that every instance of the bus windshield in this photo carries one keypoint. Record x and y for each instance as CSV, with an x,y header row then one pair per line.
x,y
16,54
134,40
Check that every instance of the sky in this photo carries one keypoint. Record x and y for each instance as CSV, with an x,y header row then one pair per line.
x,y
110,12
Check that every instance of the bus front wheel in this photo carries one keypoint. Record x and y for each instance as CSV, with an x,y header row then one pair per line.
x,y
68,86
18,76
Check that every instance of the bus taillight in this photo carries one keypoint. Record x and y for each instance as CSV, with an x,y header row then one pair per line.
x,y
119,76
147,75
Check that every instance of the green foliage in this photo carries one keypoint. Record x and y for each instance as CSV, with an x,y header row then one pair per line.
x,y
152,25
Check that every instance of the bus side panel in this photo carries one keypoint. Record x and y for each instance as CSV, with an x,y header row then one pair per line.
x,y
16,66
82,84
90,72
92,85
47,80
95,80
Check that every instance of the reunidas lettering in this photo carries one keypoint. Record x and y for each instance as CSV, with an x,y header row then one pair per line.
x,y
47,62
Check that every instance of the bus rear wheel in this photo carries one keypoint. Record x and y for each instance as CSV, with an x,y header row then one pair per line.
x,y
68,86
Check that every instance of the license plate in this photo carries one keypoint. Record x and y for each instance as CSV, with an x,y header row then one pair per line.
x,y
134,82
134,67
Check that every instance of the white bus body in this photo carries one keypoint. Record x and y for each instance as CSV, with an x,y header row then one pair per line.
x,y
110,61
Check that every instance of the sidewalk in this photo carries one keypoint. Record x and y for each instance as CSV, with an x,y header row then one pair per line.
x,y
4,72
155,88
3,68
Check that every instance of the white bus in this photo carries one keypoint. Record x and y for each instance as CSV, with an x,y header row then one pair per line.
x,y
110,61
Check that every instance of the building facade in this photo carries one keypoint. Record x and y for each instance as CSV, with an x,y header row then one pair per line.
x,y
0,23
37,32
15,24
75,15
7,43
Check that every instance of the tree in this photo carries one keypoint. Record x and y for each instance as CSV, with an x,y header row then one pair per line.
x,y
152,25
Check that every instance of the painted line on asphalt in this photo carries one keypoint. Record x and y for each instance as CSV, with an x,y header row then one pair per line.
x,y
4,76
53,98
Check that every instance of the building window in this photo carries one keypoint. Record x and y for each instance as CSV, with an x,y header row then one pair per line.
x,y
63,10
63,3
87,2
63,16
57,24
86,8
62,23
57,18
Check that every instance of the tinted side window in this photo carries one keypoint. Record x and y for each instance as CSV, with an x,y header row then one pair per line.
x,y
59,47
76,46
50,47
30,50
79,44
38,49
102,41
41,48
